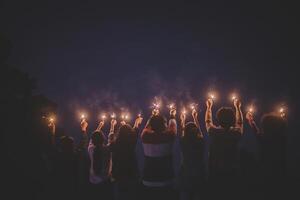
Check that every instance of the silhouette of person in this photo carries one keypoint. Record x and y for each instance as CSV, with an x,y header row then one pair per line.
x,y
223,149
157,139
192,173
124,164
272,138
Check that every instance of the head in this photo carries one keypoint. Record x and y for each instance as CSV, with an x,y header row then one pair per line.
x,y
97,138
191,131
273,124
124,132
158,123
67,144
226,117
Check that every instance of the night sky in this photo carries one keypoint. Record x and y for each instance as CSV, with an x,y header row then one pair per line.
x,y
92,56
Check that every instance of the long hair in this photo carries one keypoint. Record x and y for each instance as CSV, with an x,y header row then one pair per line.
x,y
124,134
191,132
67,144
158,123
273,125
98,141
225,117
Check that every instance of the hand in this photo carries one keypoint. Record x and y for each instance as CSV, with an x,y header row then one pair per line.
x,y
173,112
138,121
100,125
155,112
237,103
123,123
51,126
194,114
84,125
249,117
209,103
113,122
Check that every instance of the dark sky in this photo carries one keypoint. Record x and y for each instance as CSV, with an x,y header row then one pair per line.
x,y
93,56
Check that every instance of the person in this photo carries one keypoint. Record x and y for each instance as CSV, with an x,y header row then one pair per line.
x,y
68,161
124,165
192,173
100,164
224,140
157,140
272,138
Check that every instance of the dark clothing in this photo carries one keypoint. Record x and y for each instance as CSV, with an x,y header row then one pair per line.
x,y
224,152
158,193
70,170
124,164
192,172
272,157
192,157
126,189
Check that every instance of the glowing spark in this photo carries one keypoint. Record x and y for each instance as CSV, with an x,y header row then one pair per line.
x,y
113,116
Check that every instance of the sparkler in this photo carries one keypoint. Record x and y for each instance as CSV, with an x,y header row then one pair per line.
x,y
282,112
193,106
125,117
82,116
103,117
113,116
233,97
211,96
171,106
51,119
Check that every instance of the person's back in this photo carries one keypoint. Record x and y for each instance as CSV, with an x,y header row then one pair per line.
x,y
99,159
158,145
158,173
192,172
223,149
272,140
124,164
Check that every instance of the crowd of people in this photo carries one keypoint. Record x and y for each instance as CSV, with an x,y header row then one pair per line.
x,y
105,165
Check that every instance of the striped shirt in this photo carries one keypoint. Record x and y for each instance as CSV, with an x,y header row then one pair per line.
x,y
158,167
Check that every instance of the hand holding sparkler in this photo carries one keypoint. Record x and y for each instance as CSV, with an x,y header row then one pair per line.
x,y
237,103
83,125
138,121
51,125
113,123
212,96
282,112
172,110
249,116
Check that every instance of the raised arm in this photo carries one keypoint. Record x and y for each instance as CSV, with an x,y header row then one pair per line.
x,y
138,122
172,122
111,136
208,115
84,136
52,129
182,123
100,125
238,114
196,121
251,122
